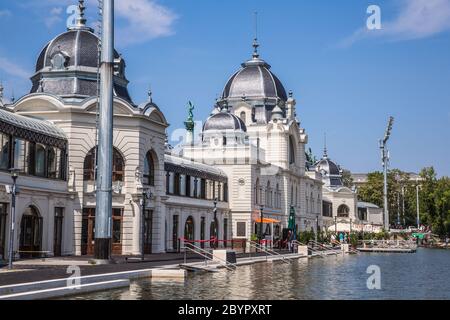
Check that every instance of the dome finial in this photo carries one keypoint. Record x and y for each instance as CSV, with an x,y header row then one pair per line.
x,y
325,151
255,40
150,94
80,20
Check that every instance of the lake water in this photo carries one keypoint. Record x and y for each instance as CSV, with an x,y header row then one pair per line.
x,y
424,275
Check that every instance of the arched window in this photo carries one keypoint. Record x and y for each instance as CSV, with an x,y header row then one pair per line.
x,y
343,211
243,116
278,197
307,203
312,203
268,202
149,169
39,168
90,166
257,198
292,194
291,150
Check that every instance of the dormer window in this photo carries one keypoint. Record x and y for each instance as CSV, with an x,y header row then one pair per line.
x,y
60,61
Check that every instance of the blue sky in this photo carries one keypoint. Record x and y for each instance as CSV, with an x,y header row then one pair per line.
x,y
347,81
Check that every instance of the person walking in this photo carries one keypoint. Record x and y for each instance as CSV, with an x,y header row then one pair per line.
x,y
341,237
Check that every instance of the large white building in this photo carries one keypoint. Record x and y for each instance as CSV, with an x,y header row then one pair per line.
x,y
250,156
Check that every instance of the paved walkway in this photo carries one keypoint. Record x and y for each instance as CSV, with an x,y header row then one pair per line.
x,y
39,270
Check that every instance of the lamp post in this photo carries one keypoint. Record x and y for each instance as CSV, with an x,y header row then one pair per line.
x,y
418,204
14,176
103,214
261,211
335,225
146,194
317,228
403,205
215,222
385,162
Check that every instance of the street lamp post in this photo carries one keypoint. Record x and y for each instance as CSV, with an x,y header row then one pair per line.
x,y
261,211
317,228
215,223
145,195
385,162
14,176
335,225
418,204
403,205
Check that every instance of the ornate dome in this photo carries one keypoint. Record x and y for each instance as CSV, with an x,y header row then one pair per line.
x,y
331,173
254,81
67,66
224,121
74,48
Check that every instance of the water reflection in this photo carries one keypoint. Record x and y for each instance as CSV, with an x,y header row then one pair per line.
x,y
403,276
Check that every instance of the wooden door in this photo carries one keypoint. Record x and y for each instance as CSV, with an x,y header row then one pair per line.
x,y
88,231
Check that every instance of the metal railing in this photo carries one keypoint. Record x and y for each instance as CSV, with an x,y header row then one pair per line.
x,y
298,243
324,246
207,255
408,244
269,252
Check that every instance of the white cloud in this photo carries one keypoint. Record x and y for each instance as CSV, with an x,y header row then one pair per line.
x,y
144,20
138,21
417,19
54,17
5,13
13,69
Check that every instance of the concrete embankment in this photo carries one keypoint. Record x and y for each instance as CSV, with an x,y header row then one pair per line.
x,y
80,285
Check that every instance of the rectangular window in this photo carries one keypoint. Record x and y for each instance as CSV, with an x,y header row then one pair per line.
x,y
182,185
188,186
5,152
193,187
241,229
21,154
171,183
54,162
203,189
176,182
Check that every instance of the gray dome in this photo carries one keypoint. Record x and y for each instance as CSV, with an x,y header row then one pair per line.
x,y
79,46
328,166
68,65
331,173
224,121
254,81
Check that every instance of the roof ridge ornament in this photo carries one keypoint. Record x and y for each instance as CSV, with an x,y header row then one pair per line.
x,y
325,150
150,94
255,39
80,20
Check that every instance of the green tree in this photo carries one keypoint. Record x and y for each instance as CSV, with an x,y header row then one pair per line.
x,y
372,191
347,179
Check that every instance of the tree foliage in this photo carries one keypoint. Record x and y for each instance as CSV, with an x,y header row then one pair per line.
x,y
434,198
